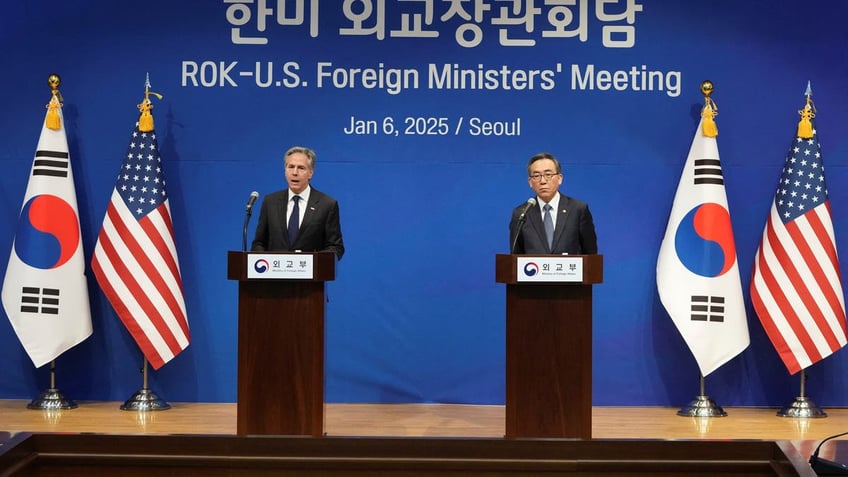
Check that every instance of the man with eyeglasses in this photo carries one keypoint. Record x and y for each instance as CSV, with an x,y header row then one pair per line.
x,y
555,223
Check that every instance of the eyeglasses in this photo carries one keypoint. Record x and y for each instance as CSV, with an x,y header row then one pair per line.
x,y
548,176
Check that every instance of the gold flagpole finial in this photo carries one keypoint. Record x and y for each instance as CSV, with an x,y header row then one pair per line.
x,y
710,110
145,121
53,121
805,125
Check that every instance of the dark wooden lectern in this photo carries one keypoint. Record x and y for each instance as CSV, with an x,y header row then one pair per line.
x,y
548,351
281,348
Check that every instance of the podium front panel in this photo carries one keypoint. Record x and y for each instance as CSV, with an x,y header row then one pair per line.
x,y
281,337
548,351
281,358
549,361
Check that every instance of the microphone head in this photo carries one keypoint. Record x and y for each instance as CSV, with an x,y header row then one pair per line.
x,y
251,200
530,203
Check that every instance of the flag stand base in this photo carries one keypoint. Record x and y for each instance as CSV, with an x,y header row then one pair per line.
x,y
801,407
52,399
702,406
145,400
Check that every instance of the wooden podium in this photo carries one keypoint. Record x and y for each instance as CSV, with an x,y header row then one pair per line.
x,y
548,344
280,343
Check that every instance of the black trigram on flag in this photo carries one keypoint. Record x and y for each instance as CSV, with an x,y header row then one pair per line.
x,y
707,308
40,300
50,163
708,171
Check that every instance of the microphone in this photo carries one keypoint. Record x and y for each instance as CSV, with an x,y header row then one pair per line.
x,y
253,196
521,218
530,203
824,466
247,211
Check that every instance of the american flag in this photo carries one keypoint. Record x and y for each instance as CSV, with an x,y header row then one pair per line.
x,y
796,287
135,259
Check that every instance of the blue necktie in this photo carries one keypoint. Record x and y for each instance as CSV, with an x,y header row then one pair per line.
x,y
294,220
549,226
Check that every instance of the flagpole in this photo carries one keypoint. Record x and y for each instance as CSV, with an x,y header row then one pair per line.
x,y
48,330
802,406
113,265
52,398
702,405
144,399
781,293
707,307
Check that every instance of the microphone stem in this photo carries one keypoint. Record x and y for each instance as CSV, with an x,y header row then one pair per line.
x,y
244,231
518,228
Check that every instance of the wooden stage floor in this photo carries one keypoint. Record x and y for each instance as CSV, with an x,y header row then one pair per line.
x,y
616,424
423,420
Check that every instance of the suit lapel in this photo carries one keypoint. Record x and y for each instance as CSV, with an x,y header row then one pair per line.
x,y
311,207
562,218
308,215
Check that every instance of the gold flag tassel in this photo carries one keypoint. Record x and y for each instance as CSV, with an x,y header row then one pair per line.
x,y
53,121
145,121
805,125
710,111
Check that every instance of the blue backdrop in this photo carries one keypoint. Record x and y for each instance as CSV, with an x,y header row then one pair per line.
x,y
376,88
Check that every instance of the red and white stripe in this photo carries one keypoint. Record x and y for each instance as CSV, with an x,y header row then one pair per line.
x,y
796,288
135,263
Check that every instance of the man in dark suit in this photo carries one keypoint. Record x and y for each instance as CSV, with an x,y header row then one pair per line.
x,y
299,218
556,224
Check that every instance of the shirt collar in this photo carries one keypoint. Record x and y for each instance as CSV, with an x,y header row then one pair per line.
x,y
554,202
304,195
